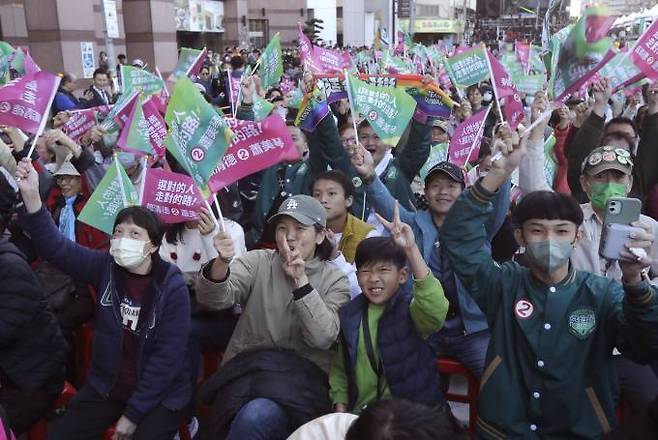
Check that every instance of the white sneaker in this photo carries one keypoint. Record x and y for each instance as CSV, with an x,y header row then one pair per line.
x,y
192,428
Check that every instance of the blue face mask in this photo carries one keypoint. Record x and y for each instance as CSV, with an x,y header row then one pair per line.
x,y
549,255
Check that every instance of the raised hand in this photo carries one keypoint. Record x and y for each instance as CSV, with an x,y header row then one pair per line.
x,y
224,246
400,232
582,110
363,162
293,265
93,135
27,180
601,91
511,148
206,222
638,253
57,136
331,236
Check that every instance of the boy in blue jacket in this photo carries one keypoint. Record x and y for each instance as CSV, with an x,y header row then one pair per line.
x,y
382,350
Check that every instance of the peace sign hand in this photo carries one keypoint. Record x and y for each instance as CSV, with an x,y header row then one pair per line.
x,y
401,233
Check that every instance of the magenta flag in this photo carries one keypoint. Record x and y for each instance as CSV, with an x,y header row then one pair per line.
x,y
465,142
522,51
25,102
256,146
82,120
319,59
645,52
173,196
502,82
156,125
513,110
444,79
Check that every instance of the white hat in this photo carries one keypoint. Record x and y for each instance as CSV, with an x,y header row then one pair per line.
x,y
138,63
66,169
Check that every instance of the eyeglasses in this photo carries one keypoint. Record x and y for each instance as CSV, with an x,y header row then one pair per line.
x,y
349,141
652,92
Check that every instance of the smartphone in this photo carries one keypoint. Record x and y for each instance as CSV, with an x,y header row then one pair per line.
x,y
614,240
622,211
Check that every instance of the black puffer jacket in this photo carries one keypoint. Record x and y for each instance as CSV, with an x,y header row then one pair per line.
x,y
32,348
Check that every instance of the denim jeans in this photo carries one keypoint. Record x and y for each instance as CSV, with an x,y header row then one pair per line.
x,y
260,419
469,349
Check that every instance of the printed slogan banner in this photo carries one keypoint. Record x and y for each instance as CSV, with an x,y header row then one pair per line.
x,y
198,135
645,52
468,68
173,196
113,193
466,138
256,146
25,102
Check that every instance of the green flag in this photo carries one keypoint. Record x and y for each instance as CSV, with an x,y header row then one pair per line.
x,y
271,63
141,80
395,64
5,51
198,135
134,136
114,192
262,107
550,163
438,153
529,84
296,98
189,60
468,68
387,109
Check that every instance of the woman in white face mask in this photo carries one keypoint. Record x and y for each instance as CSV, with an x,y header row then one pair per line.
x,y
139,379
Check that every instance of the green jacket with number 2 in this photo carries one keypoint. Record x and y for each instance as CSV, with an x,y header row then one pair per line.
x,y
550,371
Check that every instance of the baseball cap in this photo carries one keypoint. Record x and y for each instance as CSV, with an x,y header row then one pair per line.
x,y
138,63
305,209
440,123
66,169
445,167
607,158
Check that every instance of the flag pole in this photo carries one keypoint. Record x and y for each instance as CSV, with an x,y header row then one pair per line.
x,y
493,83
143,186
222,225
349,99
230,91
478,136
124,200
44,118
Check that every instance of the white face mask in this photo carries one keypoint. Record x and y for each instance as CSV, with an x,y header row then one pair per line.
x,y
487,96
127,252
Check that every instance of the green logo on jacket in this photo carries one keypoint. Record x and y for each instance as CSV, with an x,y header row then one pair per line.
x,y
582,323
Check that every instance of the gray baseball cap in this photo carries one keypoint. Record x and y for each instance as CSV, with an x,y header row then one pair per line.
x,y
305,209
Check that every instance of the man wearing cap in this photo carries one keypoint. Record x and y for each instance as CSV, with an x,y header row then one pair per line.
x,y
440,134
290,298
464,335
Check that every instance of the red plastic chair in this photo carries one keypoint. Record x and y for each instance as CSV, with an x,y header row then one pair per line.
x,y
39,431
211,362
451,366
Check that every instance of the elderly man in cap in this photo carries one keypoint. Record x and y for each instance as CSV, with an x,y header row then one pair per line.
x,y
274,371
465,334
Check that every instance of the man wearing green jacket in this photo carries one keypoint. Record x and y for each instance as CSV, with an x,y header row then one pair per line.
x,y
549,371
397,171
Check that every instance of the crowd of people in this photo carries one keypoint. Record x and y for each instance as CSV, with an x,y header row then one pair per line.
x,y
336,281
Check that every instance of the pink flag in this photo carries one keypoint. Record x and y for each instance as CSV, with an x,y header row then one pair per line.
x,y
465,143
25,102
513,110
234,85
156,125
444,79
504,88
319,59
645,52
82,120
121,111
256,146
399,48
502,82
173,196
30,66
522,51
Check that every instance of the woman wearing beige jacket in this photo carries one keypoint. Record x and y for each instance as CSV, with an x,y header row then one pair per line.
x,y
273,374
